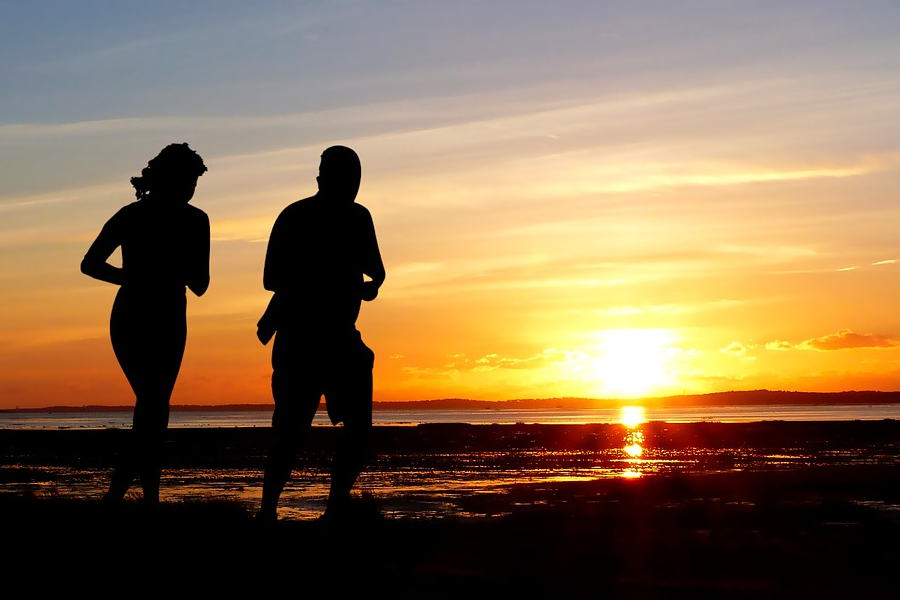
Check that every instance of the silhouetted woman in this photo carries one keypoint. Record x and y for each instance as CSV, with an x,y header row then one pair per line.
x,y
165,247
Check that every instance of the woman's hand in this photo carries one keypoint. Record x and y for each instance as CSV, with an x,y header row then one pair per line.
x,y
369,291
103,271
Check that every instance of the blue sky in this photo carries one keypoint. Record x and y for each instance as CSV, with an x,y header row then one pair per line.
x,y
540,173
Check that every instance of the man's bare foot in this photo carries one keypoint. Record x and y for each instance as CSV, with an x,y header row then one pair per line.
x,y
266,516
350,509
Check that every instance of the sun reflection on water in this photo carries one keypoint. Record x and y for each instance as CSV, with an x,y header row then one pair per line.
x,y
632,417
633,450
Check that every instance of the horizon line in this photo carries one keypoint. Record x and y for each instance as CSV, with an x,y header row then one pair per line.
x,y
398,403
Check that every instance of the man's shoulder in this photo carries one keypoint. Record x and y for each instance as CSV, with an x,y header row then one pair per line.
x,y
360,215
296,209
301,204
361,210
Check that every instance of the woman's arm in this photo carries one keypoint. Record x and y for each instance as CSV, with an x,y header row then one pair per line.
x,y
94,262
198,274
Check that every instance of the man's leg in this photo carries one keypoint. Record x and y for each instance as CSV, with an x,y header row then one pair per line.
x,y
354,398
348,463
295,407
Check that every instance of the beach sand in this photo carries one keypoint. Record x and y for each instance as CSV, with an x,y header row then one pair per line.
x,y
731,510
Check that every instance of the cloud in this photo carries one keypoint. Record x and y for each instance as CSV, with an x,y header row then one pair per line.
x,y
780,251
495,361
779,345
490,362
847,339
842,340
736,349
669,309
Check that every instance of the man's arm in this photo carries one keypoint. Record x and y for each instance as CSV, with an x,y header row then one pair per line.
x,y
371,260
273,278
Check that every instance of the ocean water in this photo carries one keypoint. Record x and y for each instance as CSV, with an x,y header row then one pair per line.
x,y
262,418
468,480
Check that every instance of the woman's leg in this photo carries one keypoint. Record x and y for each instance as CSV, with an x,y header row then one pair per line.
x,y
149,343
151,418
122,336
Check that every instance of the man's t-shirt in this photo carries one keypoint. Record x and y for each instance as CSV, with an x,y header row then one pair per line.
x,y
317,254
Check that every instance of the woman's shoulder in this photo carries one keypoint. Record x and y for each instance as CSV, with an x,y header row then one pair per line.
x,y
139,210
193,210
194,213
126,213
130,208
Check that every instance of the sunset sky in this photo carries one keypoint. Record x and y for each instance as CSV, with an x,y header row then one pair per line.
x,y
572,198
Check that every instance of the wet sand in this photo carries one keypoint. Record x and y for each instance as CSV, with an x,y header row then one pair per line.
x,y
430,471
706,510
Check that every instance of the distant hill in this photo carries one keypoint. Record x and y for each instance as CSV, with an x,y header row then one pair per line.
x,y
740,398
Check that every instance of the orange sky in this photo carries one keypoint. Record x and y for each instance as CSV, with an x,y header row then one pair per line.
x,y
557,235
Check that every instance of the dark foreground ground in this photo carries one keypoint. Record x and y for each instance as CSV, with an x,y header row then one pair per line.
x,y
815,528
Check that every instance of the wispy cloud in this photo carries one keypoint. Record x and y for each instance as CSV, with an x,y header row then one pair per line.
x,y
846,339
778,345
671,309
461,362
736,349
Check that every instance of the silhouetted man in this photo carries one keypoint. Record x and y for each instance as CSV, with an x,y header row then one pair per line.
x,y
319,253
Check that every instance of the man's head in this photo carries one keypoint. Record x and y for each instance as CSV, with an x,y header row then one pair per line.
x,y
339,173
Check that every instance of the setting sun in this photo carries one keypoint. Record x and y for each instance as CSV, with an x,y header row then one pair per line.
x,y
517,297
546,232
633,362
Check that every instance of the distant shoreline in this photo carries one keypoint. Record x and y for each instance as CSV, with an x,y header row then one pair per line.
x,y
738,398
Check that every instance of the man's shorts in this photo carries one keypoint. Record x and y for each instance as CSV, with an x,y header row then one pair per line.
x,y
305,367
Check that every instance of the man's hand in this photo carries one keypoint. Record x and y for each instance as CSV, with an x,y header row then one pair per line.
x,y
268,322
264,334
265,328
369,291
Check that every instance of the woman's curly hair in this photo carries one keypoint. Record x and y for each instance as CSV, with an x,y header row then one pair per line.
x,y
174,161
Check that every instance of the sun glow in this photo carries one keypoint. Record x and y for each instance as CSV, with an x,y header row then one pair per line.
x,y
632,416
634,362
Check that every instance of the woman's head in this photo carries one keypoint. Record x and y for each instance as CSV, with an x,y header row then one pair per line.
x,y
172,175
